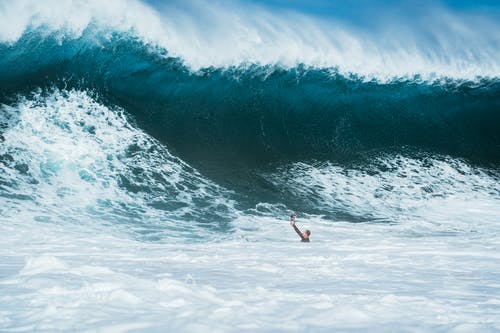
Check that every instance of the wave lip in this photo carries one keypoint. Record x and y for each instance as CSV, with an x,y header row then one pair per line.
x,y
204,35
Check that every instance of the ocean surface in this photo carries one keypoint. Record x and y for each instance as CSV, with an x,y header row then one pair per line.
x,y
151,154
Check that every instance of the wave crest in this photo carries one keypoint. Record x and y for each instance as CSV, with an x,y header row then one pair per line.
x,y
440,43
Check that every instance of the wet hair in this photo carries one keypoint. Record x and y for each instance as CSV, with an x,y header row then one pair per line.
x,y
308,232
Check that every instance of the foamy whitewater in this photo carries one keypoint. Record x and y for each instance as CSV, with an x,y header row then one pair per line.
x,y
151,154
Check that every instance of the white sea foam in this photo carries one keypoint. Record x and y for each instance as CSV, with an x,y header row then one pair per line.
x,y
351,278
78,161
438,43
430,194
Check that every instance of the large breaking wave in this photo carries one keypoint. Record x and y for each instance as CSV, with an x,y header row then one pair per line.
x,y
140,93
262,113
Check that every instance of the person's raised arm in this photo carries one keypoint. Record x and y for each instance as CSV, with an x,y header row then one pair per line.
x,y
297,230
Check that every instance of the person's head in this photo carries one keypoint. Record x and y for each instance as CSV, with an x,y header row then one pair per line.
x,y
292,216
308,233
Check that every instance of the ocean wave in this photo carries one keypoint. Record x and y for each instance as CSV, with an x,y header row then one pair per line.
x,y
193,138
261,114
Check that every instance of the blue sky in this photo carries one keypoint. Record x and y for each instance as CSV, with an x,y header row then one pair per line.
x,y
363,14
360,12
349,8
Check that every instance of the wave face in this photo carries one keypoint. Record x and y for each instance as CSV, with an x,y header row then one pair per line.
x,y
251,88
